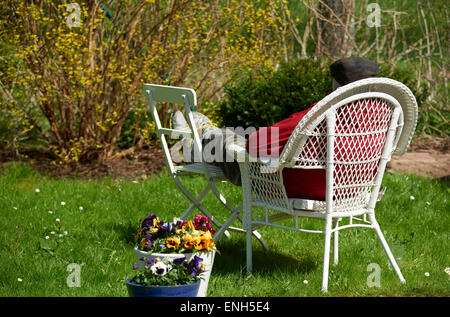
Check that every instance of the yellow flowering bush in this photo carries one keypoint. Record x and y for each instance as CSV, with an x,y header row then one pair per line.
x,y
156,236
76,70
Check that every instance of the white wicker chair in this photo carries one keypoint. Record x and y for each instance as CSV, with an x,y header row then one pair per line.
x,y
213,174
375,117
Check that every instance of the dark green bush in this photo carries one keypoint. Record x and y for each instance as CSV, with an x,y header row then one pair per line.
x,y
264,97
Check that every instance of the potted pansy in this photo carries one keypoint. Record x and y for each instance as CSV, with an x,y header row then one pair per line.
x,y
166,278
178,239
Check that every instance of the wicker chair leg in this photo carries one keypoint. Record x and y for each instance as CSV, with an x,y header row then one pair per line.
x,y
249,251
336,243
386,248
247,225
326,254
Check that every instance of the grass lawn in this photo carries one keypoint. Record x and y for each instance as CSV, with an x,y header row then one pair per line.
x,y
99,220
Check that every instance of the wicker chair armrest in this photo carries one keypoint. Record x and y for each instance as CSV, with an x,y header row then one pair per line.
x,y
241,155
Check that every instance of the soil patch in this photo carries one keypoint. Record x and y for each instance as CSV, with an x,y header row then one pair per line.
x,y
142,163
427,156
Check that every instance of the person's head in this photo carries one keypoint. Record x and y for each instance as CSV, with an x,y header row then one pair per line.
x,y
350,69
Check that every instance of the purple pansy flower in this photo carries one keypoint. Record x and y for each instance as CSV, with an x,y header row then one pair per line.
x,y
148,222
160,270
195,266
179,261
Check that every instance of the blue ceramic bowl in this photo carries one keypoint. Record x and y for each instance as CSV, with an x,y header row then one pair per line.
x,y
187,290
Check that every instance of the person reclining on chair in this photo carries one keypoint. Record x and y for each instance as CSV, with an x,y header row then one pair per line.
x,y
299,183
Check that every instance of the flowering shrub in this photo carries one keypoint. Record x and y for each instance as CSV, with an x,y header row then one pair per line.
x,y
181,237
166,272
75,84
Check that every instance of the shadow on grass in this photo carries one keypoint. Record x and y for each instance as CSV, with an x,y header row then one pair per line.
x,y
232,258
125,232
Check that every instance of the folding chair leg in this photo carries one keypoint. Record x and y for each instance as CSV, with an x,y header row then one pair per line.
x,y
193,205
326,253
227,223
196,203
235,215
386,248
187,212
222,227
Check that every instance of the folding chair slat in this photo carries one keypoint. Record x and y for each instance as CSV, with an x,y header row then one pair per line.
x,y
197,168
175,133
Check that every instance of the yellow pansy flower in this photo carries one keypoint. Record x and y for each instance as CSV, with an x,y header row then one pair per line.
x,y
173,243
188,242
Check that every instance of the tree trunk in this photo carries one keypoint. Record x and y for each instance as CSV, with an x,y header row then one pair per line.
x,y
335,32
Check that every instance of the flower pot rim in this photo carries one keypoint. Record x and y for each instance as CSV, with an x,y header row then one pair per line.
x,y
128,282
165,253
136,248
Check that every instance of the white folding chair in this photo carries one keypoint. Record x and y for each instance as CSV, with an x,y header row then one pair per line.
x,y
213,174
351,134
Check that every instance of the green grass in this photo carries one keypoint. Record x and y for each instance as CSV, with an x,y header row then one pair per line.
x,y
100,239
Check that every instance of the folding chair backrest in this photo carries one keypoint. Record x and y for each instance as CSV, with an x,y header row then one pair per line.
x,y
176,95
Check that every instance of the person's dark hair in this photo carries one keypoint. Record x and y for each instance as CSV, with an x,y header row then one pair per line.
x,y
350,69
